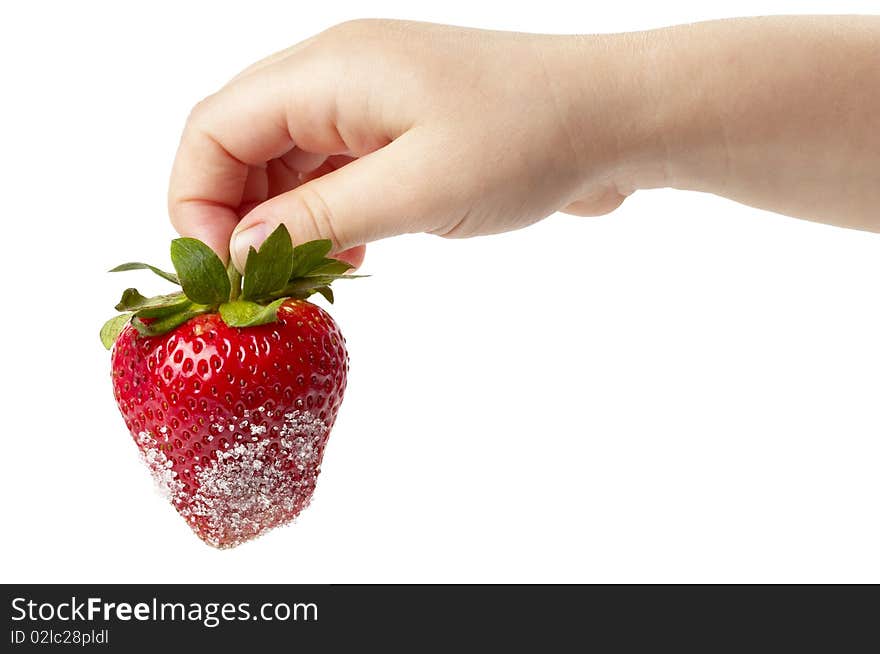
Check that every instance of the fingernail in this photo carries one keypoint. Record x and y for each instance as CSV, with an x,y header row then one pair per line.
x,y
253,236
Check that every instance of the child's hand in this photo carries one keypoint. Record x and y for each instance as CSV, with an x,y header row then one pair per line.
x,y
452,131
460,132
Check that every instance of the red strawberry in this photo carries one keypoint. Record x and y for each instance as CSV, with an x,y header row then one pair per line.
x,y
231,400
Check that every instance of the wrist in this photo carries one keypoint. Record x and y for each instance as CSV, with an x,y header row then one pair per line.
x,y
613,87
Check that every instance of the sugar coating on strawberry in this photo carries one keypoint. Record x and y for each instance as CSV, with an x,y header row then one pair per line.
x,y
248,488
231,404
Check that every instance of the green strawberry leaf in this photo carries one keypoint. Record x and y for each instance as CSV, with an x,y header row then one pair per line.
x,y
268,269
274,273
132,300
168,321
157,311
303,287
202,274
327,292
242,313
234,280
309,255
171,277
331,267
112,328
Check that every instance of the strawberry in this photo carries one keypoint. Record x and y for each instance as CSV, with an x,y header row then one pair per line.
x,y
231,386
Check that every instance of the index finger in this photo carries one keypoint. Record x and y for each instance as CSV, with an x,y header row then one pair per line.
x,y
243,125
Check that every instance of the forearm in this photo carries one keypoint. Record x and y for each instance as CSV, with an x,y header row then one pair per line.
x,y
780,113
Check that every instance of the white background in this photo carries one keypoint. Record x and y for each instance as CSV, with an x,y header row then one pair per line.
x,y
683,391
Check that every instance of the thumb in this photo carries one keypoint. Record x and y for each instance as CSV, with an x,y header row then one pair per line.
x,y
390,191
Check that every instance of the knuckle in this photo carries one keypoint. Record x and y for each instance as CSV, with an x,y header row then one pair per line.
x,y
199,111
315,214
366,31
353,26
381,45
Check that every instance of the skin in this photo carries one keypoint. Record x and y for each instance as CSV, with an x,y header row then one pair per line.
x,y
376,128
